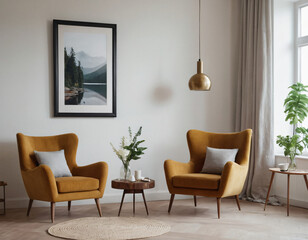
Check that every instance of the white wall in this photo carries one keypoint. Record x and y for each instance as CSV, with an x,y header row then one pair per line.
x,y
284,76
157,53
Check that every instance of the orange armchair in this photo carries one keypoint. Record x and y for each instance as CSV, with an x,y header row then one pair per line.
x,y
86,182
185,178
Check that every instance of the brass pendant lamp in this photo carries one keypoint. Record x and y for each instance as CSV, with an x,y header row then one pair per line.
x,y
200,81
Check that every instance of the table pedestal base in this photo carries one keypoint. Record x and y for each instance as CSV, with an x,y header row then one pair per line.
x,y
131,191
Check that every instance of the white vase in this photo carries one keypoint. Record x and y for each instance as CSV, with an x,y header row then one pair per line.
x,y
292,165
125,172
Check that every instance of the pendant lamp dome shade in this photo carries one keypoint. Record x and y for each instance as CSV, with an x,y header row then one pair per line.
x,y
200,81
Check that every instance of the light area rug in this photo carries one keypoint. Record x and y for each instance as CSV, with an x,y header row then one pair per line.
x,y
109,228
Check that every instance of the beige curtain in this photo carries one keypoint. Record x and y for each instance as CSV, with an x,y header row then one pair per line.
x,y
255,93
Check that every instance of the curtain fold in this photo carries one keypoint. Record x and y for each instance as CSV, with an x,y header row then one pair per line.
x,y
254,105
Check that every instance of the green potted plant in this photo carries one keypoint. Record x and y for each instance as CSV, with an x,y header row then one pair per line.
x,y
129,150
296,109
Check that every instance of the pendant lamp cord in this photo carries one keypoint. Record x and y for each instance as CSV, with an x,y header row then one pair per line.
x,y
199,30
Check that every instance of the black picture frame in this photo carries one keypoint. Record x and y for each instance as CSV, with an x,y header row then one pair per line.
x,y
63,106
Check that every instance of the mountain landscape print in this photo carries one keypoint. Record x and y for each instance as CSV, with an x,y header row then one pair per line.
x,y
85,69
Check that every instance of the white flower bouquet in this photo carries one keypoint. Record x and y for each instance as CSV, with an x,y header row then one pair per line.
x,y
129,149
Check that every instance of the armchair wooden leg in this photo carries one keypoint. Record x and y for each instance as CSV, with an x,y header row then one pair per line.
x,y
170,203
52,210
29,207
195,201
237,202
218,207
69,205
98,206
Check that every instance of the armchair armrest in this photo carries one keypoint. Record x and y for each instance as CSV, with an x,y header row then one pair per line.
x,y
232,179
173,168
40,183
97,170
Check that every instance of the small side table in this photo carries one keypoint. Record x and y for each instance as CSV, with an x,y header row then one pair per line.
x,y
132,187
304,173
3,184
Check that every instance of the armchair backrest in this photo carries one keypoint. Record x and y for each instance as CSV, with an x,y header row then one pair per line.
x,y
27,145
199,140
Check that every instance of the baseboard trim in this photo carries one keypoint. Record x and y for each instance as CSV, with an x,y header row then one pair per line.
x,y
107,198
116,198
293,202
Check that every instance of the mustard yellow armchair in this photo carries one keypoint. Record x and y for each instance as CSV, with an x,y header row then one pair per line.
x,y
185,178
86,182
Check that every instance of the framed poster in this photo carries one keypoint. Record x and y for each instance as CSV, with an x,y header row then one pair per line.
x,y
84,69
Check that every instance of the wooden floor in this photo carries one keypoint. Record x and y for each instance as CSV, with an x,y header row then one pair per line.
x,y
186,221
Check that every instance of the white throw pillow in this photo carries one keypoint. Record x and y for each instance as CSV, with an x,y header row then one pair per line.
x,y
56,161
216,158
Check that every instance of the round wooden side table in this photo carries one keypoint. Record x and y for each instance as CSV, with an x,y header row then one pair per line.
x,y
132,187
304,173
3,184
